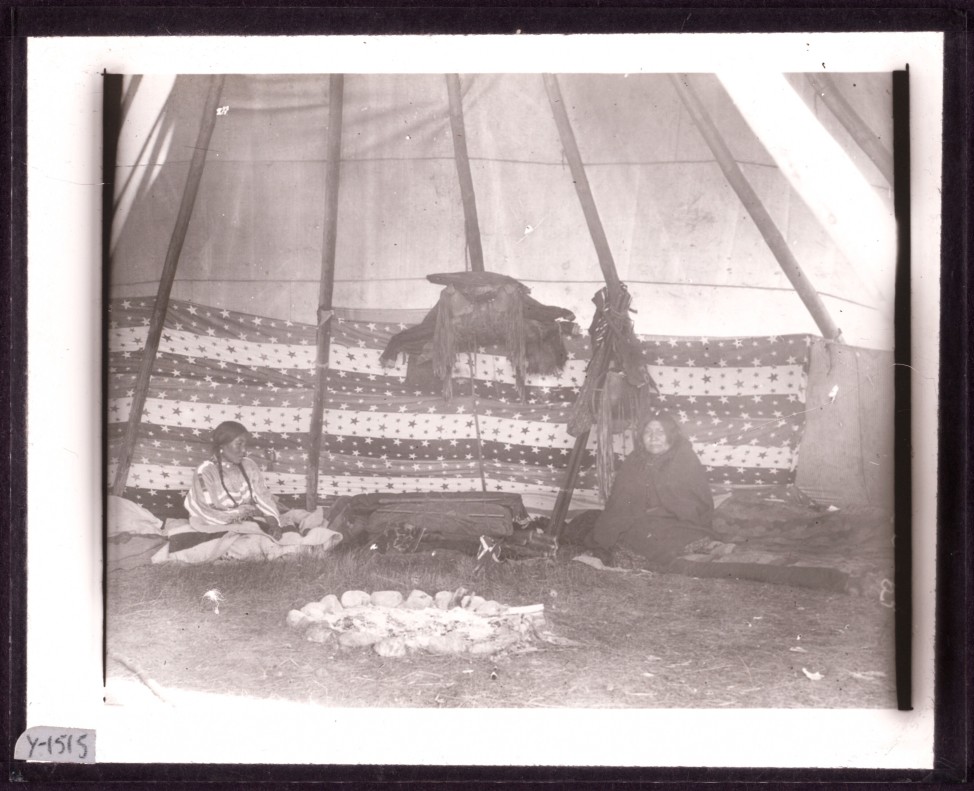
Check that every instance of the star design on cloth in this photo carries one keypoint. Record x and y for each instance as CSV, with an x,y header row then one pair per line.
x,y
215,364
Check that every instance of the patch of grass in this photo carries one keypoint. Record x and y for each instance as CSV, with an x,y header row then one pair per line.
x,y
646,640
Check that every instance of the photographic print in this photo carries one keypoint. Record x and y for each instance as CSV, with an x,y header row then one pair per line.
x,y
502,391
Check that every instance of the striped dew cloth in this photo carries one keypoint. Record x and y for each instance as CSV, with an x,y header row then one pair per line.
x,y
739,400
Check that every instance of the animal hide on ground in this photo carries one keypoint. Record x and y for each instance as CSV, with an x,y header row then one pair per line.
x,y
478,309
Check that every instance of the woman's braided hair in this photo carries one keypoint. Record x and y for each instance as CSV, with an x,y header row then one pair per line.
x,y
222,435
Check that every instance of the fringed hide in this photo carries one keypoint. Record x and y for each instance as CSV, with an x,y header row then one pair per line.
x,y
478,309
614,347
618,408
618,390
479,315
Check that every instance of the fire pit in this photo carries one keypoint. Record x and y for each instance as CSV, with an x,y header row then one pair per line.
x,y
393,625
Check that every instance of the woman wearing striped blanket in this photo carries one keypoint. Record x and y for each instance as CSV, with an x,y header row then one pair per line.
x,y
229,488
234,516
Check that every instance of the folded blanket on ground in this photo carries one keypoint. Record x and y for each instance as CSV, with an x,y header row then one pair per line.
x,y
124,516
131,550
134,534
245,540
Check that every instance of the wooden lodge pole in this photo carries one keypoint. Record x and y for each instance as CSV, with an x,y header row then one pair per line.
x,y
589,209
866,139
597,368
176,241
462,159
564,499
471,225
326,287
762,219
606,262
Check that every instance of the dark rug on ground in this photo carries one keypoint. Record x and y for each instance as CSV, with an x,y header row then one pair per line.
x,y
778,535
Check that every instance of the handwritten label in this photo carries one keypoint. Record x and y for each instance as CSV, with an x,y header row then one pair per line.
x,y
57,745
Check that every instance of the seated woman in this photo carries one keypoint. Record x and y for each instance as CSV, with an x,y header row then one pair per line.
x,y
660,500
229,488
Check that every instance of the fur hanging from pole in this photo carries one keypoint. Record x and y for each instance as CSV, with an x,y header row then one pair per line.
x,y
618,390
614,347
479,309
619,408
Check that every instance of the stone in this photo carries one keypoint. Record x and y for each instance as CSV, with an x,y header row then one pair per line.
x,y
417,600
358,639
418,641
442,600
319,633
391,647
490,607
296,618
456,600
314,611
330,604
447,644
386,599
475,602
355,598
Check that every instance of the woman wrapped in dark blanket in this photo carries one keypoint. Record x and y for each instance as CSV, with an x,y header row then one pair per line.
x,y
660,500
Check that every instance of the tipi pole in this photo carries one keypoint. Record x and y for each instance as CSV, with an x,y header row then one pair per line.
x,y
471,226
462,159
766,225
326,287
557,523
176,241
597,367
589,209
606,262
866,139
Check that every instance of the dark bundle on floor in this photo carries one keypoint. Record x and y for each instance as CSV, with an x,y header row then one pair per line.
x,y
463,515
482,524
479,309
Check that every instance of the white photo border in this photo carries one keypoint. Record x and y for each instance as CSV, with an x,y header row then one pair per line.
x,y
64,617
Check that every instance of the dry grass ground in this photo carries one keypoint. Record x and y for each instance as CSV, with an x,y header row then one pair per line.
x,y
646,640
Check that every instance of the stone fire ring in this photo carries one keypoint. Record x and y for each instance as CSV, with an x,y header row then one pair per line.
x,y
447,623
